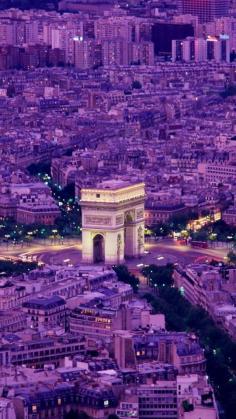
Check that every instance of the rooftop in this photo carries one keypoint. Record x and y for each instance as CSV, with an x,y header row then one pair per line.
x,y
44,302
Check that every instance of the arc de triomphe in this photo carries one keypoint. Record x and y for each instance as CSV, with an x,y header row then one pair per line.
x,y
112,221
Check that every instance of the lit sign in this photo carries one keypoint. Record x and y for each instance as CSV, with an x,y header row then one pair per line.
x,y
212,38
78,38
224,36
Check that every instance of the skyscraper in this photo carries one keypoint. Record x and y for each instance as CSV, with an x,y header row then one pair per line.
x,y
206,10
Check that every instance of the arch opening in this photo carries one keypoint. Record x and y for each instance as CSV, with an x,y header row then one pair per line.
x,y
98,249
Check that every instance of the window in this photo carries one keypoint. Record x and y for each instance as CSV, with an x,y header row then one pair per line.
x,y
97,195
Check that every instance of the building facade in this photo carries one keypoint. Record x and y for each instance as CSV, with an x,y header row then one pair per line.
x,y
206,10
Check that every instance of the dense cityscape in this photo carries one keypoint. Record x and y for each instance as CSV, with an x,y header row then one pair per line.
x,y
118,209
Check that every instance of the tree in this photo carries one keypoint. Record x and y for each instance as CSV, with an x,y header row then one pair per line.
x,y
161,229
36,168
136,85
231,256
9,268
159,275
200,235
11,91
69,222
233,56
229,91
188,407
220,350
125,276
179,222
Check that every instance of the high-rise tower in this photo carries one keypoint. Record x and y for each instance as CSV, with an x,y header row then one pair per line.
x,y
206,10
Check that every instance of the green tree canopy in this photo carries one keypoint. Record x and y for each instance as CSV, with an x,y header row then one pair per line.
x,y
231,256
136,85
124,275
9,268
220,350
159,275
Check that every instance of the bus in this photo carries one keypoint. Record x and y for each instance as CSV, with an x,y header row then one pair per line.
x,y
196,243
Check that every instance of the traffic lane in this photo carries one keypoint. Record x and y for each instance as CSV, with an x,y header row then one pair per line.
x,y
175,249
160,253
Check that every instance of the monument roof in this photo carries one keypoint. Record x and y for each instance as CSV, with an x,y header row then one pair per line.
x,y
114,184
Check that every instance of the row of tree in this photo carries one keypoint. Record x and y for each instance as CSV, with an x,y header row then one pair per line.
x,y
218,230
220,350
9,268
159,276
124,275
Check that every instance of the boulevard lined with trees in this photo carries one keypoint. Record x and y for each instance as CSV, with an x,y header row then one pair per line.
x,y
220,350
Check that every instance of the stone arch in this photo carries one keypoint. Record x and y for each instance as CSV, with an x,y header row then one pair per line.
x,y
98,248
119,247
129,228
140,239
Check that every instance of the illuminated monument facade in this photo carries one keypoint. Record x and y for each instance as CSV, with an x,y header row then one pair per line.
x,y
112,222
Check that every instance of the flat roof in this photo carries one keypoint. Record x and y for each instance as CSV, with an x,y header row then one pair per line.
x,y
114,185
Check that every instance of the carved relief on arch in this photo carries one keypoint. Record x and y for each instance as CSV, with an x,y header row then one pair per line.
x,y
139,213
119,247
119,219
129,217
140,237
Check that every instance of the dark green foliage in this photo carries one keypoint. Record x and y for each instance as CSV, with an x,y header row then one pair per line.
x,y
180,222
231,257
201,235
39,169
232,56
188,407
68,224
220,350
125,276
9,268
229,91
177,224
218,230
161,229
11,91
136,85
159,275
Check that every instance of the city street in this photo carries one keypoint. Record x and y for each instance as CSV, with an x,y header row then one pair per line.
x,y
161,252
